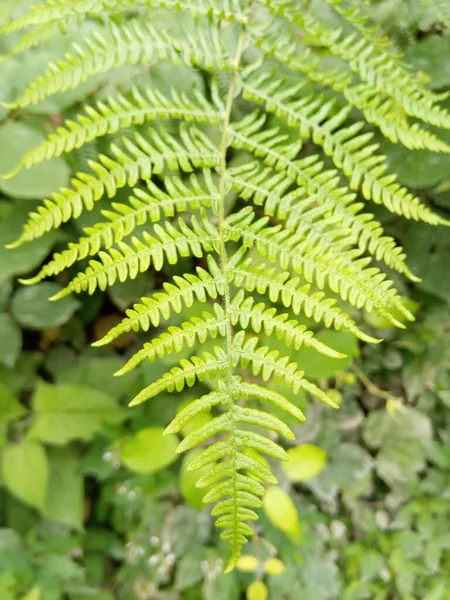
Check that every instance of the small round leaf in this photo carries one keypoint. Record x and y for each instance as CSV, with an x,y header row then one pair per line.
x,y
257,591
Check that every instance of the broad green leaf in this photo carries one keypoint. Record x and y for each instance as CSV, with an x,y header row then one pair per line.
x,y
281,511
409,424
149,450
188,481
189,567
33,309
68,412
428,249
318,366
306,462
65,499
420,168
351,467
24,259
39,181
98,373
25,472
320,575
124,294
10,408
13,554
399,460
430,55
257,591
11,341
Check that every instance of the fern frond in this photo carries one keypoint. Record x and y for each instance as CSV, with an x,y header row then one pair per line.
x,y
257,317
366,55
197,368
59,12
139,159
126,262
208,326
125,218
182,292
377,109
347,147
40,34
54,10
270,365
118,113
343,271
133,43
279,286
277,206
322,185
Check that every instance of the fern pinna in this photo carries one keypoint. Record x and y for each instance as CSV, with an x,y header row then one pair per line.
x,y
219,173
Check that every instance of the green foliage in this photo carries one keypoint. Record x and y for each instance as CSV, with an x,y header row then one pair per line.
x,y
233,192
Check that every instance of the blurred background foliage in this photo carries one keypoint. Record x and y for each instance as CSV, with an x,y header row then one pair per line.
x,y
94,502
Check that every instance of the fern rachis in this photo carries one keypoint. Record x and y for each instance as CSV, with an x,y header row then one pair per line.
x,y
296,235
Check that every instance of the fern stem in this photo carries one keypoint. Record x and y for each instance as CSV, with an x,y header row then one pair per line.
x,y
226,274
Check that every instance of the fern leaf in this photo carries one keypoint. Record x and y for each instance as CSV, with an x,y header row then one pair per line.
x,y
189,371
173,340
139,159
125,218
269,364
347,147
381,111
310,176
61,11
119,113
258,317
133,43
182,292
341,270
126,262
367,56
293,295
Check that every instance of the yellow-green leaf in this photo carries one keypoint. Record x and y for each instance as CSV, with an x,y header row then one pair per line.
x,y
149,450
306,462
281,511
192,494
25,472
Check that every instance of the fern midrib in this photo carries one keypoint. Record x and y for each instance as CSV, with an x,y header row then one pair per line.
x,y
222,231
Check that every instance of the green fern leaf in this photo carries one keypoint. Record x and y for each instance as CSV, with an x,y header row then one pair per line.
x,y
278,223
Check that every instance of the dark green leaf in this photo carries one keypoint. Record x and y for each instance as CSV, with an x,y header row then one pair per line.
x,y
11,343
33,309
65,499
39,181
